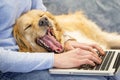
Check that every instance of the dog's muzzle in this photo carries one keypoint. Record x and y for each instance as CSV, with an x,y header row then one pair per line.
x,y
49,42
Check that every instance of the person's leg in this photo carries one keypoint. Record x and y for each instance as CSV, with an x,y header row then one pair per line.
x,y
44,75
117,75
8,76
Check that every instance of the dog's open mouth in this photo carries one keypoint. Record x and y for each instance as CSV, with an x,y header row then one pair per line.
x,y
49,42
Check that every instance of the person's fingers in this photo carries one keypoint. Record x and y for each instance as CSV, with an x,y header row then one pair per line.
x,y
86,47
89,48
90,57
85,52
94,59
86,61
98,48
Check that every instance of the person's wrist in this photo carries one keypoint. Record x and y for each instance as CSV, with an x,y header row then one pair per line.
x,y
56,61
68,44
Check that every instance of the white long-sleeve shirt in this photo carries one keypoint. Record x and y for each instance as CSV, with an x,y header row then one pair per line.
x,y
10,59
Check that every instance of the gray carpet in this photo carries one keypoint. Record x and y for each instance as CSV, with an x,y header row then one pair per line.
x,y
105,13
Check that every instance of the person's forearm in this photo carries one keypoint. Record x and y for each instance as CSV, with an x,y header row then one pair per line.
x,y
24,62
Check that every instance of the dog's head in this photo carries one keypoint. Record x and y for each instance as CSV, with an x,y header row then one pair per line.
x,y
37,31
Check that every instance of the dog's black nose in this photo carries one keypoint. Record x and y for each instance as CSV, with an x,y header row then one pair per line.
x,y
43,22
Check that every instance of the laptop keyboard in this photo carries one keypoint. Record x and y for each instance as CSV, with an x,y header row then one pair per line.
x,y
106,61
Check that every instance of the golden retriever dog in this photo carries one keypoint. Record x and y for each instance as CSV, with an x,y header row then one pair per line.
x,y
39,31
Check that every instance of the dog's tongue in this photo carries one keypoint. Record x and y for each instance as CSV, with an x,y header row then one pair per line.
x,y
50,43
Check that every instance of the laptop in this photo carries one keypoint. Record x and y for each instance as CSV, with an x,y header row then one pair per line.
x,y
108,67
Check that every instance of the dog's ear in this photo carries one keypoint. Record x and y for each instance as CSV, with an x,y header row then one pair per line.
x,y
22,43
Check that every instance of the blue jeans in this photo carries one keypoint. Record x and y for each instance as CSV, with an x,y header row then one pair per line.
x,y
44,75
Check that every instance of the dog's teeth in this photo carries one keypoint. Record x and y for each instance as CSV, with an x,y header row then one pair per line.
x,y
45,44
41,41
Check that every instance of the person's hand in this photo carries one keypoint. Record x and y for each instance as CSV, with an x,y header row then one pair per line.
x,y
76,58
71,44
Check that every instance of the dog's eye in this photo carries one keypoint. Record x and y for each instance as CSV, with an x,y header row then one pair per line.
x,y
28,27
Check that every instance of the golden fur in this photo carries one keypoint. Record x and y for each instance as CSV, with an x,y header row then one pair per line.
x,y
76,25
